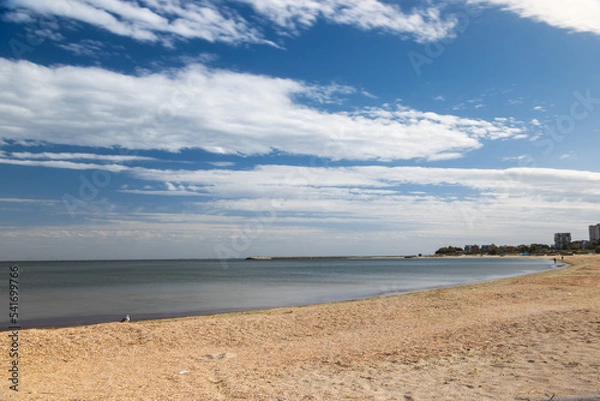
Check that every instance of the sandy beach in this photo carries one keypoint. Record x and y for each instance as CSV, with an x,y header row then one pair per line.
x,y
534,337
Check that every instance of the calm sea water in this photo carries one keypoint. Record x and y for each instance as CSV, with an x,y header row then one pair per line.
x,y
81,292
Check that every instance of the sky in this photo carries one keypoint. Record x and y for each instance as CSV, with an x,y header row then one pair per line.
x,y
234,128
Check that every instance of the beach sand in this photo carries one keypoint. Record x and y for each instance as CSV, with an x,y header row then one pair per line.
x,y
534,337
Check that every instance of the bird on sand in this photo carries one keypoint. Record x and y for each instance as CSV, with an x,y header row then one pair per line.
x,y
126,319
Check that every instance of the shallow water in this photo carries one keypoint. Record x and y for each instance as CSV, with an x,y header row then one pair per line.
x,y
82,292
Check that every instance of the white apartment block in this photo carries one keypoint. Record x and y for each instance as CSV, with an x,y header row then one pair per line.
x,y
562,240
595,233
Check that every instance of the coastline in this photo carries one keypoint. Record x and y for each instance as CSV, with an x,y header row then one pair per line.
x,y
533,337
384,290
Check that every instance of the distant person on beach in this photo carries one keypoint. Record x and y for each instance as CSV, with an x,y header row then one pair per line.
x,y
554,260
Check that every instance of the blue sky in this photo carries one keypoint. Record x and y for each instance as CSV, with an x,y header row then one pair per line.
x,y
177,129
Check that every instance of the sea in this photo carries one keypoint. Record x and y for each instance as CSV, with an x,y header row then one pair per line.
x,y
69,293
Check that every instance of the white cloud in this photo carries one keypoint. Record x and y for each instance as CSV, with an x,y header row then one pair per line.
x,y
18,16
26,200
292,15
326,211
575,15
539,108
71,161
85,47
278,181
522,159
328,94
221,112
535,122
63,164
514,205
211,20
566,156
162,192
222,164
79,156
368,94
152,20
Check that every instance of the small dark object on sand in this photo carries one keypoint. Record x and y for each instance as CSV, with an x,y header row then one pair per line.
x,y
126,319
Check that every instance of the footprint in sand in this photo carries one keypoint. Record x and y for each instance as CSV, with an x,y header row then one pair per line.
x,y
218,356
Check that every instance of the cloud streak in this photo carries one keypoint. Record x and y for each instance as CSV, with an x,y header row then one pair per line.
x,y
63,164
34,201
80,156
279,181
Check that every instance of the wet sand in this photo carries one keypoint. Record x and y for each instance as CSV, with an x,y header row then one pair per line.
x,y
534,337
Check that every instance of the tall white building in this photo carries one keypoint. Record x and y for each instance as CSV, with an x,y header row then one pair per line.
x,y
595,233
562,240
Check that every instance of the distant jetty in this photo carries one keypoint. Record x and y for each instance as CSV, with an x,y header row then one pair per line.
x,y
328,257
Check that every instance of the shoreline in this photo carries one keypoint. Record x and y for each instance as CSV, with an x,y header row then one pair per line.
x,y
90,320
531,337
267,257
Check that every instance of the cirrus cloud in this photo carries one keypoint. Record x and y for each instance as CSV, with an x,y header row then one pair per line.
x,y
150,20
424,24
218,21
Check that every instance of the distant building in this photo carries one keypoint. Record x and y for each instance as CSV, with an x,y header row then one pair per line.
x,y
595,233
562,240
471,248
506,249
485,248
583,244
